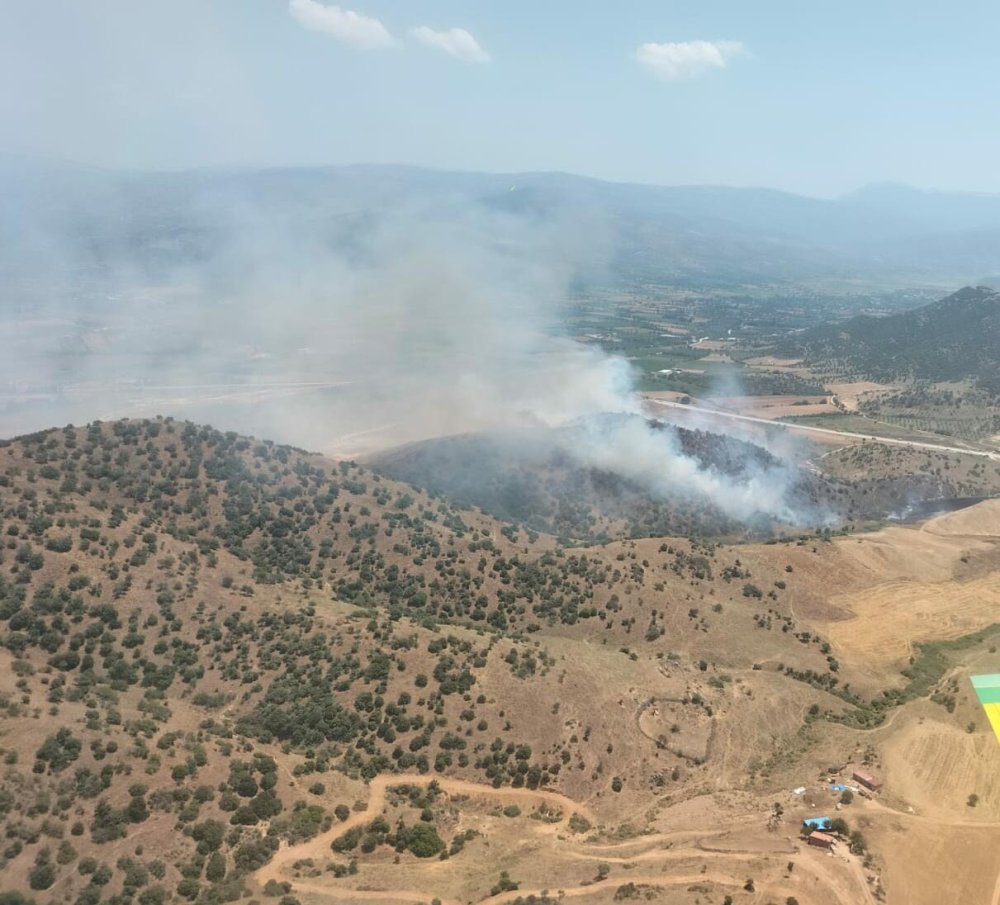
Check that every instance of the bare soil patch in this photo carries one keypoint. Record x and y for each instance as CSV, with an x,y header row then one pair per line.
x,y
850,393
770,361
774,406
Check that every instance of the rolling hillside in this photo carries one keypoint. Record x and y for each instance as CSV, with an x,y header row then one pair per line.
x,y
533,479
168,600
955,339
212,645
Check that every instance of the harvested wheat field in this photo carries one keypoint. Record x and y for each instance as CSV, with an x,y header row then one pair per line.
x,y
982,520
923,589
770,361
890,618
850,393
937,863
875,595
934,765
785,406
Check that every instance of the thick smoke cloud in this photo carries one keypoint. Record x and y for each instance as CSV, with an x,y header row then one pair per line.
x,y
653,459
341,328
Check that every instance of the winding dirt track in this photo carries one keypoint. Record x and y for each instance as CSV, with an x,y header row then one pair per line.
x,y
656,880
614,882
319,846
408,897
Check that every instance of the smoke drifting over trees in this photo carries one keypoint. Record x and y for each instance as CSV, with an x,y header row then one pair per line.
x,y
346,321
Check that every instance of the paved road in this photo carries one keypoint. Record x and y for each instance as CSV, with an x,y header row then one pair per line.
x,y
891,441
278,385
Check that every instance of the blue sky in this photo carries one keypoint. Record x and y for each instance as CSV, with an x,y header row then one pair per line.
x,y
811,96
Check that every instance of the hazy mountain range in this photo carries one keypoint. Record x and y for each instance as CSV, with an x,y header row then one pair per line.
x,y
70,220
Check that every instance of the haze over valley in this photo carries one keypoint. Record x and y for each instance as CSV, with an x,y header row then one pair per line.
x,y
463,530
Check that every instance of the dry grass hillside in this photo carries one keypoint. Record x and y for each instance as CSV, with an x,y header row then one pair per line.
x,y
232,669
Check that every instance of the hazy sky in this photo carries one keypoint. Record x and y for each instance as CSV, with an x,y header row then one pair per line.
x,y
817,96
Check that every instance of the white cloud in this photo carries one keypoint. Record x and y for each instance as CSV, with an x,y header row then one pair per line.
x,y
686,59
456,41
345,25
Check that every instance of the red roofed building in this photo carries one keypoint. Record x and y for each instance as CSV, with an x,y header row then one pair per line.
x,y
823,840
869,782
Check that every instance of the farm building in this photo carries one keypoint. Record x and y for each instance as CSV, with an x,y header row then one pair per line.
x,y
821,840
868,781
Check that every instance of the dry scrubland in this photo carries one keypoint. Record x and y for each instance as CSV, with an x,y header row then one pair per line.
x,y
961,476
231,669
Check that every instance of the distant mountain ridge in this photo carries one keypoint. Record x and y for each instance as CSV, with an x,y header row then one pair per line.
x,y
89,219
956,338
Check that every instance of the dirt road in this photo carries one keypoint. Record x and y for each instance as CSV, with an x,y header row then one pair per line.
x,y
658,881
838,890
319,846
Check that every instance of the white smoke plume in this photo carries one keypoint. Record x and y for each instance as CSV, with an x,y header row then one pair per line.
x,y
653,459
345,328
